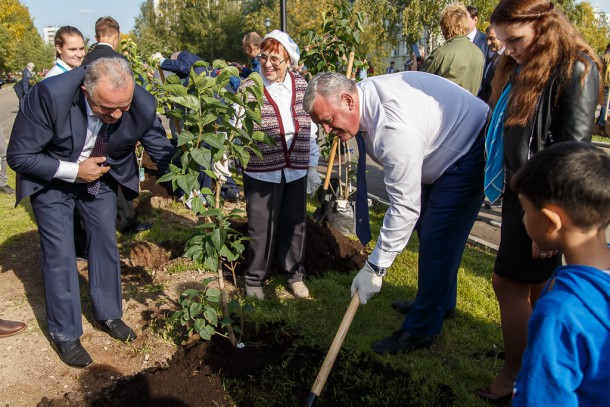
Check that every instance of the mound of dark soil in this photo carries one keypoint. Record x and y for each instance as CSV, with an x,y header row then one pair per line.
x,y
327,249
272,370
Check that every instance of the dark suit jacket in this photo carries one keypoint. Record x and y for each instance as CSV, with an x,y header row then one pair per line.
x,y
480,40
182,65
26,75
52,125
101,51
488,75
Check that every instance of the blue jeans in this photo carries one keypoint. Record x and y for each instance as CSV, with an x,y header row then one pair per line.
x,y
449,208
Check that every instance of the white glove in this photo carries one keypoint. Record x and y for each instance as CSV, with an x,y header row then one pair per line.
x,y
156,57
313,180
221,169
367,283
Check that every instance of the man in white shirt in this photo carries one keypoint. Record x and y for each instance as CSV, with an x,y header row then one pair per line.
x,y
426,132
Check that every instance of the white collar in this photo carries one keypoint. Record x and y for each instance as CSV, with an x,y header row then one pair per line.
x,y
104,43
287,82
361,124
472,34
64,65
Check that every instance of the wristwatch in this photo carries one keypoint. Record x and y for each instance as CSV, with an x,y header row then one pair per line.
x,y
379,271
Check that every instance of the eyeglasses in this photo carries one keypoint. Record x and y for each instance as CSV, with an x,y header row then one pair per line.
x,y
275,61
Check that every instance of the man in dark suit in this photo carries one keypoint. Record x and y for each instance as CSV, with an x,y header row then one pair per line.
x,y
496,48
24,83
73,145
476,36
107,33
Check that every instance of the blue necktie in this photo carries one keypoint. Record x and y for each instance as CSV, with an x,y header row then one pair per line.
x,y
99,150
363,224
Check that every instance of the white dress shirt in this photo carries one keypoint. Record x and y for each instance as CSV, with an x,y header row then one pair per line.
x,y
68,170
417,125
281,93
59,68
472,34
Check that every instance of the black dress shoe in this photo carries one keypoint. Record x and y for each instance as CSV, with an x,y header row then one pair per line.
x,y
117,329
402,341
490,397
405,306
135,228
230,196
72,353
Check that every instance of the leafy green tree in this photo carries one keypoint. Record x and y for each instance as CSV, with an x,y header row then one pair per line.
x,y
207,110
157,31
421,16
211,29
328,50
381,29
594,31
20,43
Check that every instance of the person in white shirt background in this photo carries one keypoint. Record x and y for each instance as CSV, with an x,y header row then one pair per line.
x,y
427,134
275,186
69,50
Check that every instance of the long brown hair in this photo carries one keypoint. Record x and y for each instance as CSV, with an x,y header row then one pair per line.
x,y
557,47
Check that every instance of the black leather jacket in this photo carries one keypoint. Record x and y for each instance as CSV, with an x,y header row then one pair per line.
x,y
568,116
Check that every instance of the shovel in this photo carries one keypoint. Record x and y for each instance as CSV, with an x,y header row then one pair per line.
x,y
319,214
327,365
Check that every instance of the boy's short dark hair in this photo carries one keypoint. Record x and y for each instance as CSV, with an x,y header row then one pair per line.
x,y
572,175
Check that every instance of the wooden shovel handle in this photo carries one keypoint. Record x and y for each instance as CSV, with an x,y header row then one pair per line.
x,y
336,345
333,149
331,161
350,64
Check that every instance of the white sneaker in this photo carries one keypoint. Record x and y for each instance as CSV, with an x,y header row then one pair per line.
x,y
299,289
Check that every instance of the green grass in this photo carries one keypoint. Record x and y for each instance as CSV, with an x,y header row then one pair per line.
x,y
461,359
17,223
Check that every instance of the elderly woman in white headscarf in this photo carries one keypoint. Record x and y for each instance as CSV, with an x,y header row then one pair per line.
x,y
275,186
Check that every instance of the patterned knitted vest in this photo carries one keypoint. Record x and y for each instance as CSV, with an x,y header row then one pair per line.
x,y
280,156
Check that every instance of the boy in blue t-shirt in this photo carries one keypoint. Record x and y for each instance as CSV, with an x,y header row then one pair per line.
x,y
565,194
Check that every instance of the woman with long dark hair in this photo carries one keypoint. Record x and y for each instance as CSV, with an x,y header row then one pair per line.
x,y
545,91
